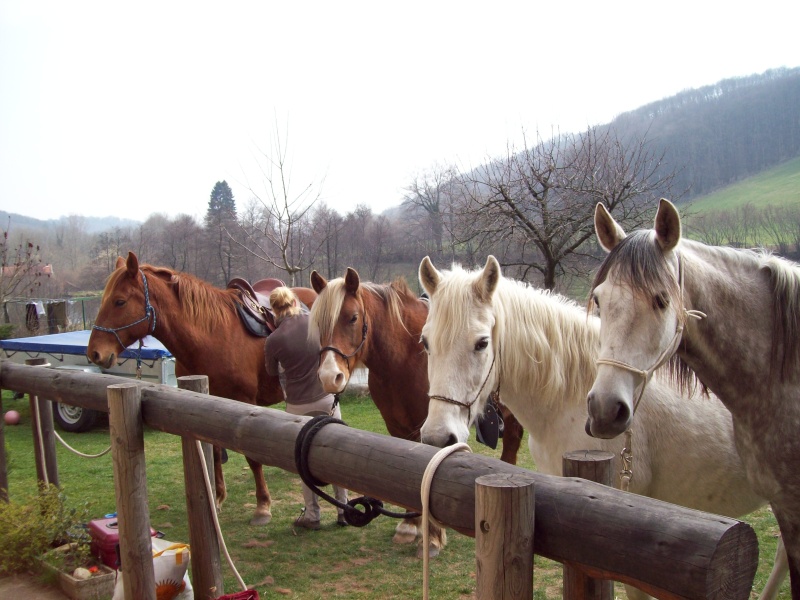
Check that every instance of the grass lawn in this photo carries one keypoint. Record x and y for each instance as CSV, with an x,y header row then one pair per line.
x,y
279,561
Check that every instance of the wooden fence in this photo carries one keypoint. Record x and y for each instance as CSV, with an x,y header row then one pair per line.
x,y
666,550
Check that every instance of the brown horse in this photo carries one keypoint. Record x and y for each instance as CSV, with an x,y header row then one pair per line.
x,y
379,326
199,325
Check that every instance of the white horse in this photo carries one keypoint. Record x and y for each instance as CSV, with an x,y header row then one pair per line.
x,y
486,333
733,316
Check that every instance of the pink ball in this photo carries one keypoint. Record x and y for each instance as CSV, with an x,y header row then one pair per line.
x,y
12,417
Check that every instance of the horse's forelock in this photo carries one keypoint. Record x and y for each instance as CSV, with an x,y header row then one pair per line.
x,y
455,292
639,263
325,311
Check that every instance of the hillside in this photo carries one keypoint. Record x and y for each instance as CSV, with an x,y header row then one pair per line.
x,y
779,186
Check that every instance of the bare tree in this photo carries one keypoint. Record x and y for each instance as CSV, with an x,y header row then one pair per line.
x,y
286,235
429,194
21,268
535,207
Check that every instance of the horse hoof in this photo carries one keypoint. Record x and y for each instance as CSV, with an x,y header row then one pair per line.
x,y
404,534
433,551
261,519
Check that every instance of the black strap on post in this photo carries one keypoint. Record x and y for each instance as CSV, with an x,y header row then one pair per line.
x,y
372,506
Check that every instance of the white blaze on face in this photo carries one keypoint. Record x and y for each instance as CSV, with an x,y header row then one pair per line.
x,y
333,378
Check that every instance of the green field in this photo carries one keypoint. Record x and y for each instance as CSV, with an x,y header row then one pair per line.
x,y
779,186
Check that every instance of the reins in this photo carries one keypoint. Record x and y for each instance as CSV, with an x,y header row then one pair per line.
x,y
149,315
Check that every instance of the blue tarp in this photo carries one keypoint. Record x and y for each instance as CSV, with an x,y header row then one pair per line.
x,y
75,342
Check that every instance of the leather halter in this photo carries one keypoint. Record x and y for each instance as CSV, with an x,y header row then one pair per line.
x,y
495,395
347,357
666,354
149,315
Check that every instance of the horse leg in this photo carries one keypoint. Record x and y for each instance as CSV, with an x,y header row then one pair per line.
x,y
512,436
263,514
779,570
406,531
437,538
219,480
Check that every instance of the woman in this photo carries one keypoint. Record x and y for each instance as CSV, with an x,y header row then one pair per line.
x,y
292,355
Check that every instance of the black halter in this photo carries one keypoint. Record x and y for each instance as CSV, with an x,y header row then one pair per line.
x,y
149,315
347,357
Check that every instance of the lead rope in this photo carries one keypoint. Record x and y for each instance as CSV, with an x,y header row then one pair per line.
x,y
626,456
210,494
425,493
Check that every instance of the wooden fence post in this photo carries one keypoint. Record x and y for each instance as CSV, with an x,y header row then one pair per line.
x,y
3,464
207,579
130,486
504,519
594,465
44,439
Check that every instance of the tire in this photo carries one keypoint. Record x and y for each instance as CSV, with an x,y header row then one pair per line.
x,y
74,418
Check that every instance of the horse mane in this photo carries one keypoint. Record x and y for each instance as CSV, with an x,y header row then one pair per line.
x,y
209,307
544,340
785,283
326,308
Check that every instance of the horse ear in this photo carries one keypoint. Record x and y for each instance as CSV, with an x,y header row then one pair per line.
x,y
608,231
132,264
428,276
351,281
667,225
318,282
487,283
120,262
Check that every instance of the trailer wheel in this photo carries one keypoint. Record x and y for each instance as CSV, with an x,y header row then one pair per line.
x,y
74,419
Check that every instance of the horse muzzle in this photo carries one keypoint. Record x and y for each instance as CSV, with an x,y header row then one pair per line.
x,y
609,415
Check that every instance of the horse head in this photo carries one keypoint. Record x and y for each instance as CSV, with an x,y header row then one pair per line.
x,y
458,336
338,320
637,294
126,313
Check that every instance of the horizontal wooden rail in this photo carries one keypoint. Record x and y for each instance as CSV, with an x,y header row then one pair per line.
x,y
666,550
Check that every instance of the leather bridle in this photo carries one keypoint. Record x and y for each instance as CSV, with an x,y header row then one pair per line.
x,y
347,357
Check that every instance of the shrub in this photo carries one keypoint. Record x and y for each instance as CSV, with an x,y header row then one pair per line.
x,y
29,529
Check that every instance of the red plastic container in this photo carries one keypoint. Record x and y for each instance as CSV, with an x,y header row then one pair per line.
x,y
105,540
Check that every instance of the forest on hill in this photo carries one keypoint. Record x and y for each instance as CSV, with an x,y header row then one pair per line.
x,y
531,208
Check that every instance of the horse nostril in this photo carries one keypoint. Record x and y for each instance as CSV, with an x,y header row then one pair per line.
x,y
339,380
451,440
623,413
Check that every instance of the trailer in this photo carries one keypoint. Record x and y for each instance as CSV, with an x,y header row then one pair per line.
x,y
68,351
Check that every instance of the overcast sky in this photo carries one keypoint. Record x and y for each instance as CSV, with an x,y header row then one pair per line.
x,y
128,109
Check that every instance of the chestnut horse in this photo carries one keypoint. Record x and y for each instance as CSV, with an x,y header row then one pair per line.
x,y
379,326
199,325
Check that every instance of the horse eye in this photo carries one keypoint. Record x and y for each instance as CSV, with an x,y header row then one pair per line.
x,y
354,318
596,303
119,303
482,344
424,343
661,301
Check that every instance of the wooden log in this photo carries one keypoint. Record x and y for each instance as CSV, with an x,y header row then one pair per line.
x,y
666,550
3,462
44,439
504,534
594,465
207,580
130,488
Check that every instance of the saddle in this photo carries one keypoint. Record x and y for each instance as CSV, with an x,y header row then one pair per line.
x,y
254,310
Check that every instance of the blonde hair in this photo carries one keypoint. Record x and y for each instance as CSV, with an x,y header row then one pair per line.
x,y
284,303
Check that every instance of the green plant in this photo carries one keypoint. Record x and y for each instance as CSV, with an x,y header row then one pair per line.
x,y
29,529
